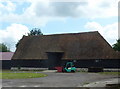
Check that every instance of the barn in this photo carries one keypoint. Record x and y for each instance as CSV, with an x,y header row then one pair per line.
x,y
86,49
5,60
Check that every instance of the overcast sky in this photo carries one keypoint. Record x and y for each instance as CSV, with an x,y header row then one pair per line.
x,y
18,17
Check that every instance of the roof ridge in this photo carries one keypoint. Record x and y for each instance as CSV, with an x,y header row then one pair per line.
x,y
72,33
68,33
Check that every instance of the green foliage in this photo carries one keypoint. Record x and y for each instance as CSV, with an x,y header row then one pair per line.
x,y
4,48
14,75
17,43
110,73
116,46
35,32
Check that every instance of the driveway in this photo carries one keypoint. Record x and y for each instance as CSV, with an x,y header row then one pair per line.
x,y
57,80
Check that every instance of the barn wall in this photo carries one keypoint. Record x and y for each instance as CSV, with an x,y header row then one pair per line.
x,y
6,64
109,63
54,59
29,63
105,63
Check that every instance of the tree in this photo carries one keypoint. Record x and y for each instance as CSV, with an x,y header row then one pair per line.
x,y
116,46
35,32
17,43
4,48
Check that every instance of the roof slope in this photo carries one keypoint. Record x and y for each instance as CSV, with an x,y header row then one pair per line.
x,y
87,45
6,55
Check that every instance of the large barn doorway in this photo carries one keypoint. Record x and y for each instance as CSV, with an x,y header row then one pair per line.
x,y
54,59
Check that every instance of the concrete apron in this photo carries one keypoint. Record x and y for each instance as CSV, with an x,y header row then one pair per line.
x,y
102,83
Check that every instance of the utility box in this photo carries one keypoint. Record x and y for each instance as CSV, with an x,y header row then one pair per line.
x,y
59,69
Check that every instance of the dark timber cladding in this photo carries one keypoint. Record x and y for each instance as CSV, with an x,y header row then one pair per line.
x,y
87,45
54,59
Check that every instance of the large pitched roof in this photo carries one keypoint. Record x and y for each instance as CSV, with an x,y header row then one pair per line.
x,y
87,45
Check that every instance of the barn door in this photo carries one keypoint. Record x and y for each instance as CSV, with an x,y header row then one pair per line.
x,y
54,59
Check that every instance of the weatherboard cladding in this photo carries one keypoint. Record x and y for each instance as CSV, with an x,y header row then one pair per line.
x,y
87,45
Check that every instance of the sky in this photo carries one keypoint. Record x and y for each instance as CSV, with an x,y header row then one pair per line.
x,y
18,17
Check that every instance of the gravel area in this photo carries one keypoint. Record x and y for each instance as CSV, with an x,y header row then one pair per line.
x,y
57,80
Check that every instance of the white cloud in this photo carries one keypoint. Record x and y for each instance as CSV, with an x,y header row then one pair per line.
x,y
12,34
7,7
109,32
86,8
40,12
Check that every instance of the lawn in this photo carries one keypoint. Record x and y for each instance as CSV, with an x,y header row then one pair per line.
x,y
110,73
14,75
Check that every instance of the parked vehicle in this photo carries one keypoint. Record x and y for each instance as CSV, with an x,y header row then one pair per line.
x,y
69,67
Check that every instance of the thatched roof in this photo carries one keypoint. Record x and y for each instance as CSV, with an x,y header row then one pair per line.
x,y
87,45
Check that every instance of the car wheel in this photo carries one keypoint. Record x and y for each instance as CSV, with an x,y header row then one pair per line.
x,y
72,71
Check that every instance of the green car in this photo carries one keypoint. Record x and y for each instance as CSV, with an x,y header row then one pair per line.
x,y
69,67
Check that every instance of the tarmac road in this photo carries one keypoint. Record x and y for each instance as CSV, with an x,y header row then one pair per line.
x,y
57,80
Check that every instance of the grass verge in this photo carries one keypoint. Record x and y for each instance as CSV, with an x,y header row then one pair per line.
x,y
110,73
21,75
